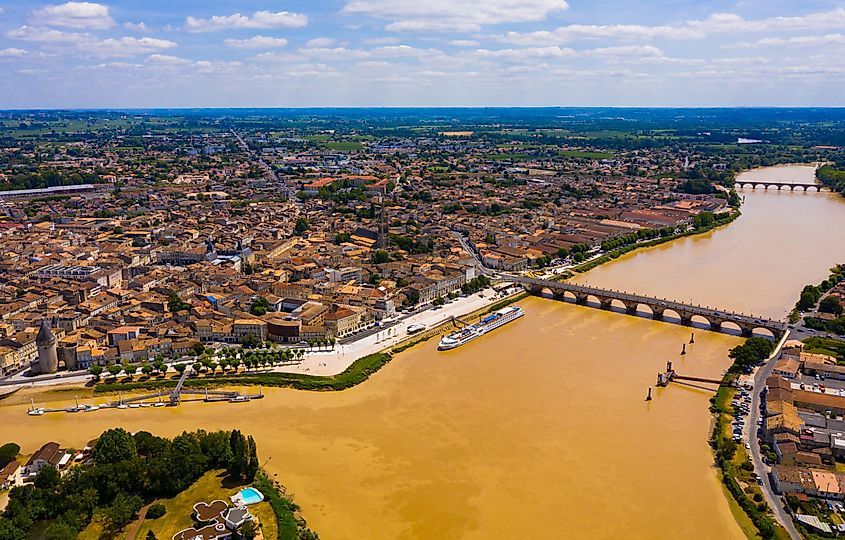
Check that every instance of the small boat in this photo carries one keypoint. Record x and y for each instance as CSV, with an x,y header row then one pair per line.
x,y
158,404
239,399
146,404
416,328
91,408
35,412
123,406
135,406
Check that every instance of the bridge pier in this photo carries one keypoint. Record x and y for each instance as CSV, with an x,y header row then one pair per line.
x,y
631,308
606,303
657,314
581,299
686,320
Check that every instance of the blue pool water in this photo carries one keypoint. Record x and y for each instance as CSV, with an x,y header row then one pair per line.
x,y
251,496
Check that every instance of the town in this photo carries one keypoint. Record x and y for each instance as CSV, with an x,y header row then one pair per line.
x,y
136,248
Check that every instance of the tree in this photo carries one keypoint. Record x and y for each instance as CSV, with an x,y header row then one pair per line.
x,y
180,368
251,466
247,531
196,366
381,256
301,226
114,369
47,478
249,340
151,535
831,304
238,447
754,350
96,371
156,511
59,531
198,348
146,369
8,452
113,446
259,306
129,369
123,509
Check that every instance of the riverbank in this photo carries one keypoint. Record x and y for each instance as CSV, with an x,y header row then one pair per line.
x,y
616,253
356,373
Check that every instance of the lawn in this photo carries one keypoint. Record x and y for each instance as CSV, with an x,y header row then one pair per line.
x,y
585,155
344,146
212,486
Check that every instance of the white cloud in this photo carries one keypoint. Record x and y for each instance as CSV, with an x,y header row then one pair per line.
x,y
694,29
47,35
12,53
259,19
167,60
730,22
138,27
74,15
463,43
452,15
320,42
257,42
277,56
127,46
628,51
525,53
798,41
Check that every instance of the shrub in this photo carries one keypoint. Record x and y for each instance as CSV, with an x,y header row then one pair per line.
x,y
156,511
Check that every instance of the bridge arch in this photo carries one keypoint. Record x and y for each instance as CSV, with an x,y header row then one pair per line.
x,y
763,332
730,327
672,315
700,320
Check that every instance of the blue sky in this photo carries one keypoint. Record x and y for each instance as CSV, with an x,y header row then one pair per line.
x,y
294,53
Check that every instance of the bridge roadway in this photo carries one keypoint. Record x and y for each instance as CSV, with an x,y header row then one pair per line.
x,y
685,312
767,184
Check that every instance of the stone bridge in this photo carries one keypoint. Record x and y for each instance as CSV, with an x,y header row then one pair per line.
x,y
659,307
780,185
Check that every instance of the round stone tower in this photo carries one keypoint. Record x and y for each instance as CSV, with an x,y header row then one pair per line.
x,y
48,359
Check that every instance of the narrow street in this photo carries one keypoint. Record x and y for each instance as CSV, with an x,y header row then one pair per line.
x,y
775,502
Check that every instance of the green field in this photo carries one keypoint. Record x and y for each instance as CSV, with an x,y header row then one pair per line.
x,y
585,154
344,146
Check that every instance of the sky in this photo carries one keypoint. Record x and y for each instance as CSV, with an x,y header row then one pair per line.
x,y
384,53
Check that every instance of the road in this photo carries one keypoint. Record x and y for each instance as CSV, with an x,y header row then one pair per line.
x,y
775,502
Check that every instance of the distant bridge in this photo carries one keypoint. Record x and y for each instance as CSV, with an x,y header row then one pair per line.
x,y
767,184
716,318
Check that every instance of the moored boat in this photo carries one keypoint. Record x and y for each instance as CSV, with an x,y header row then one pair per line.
x,y
487,324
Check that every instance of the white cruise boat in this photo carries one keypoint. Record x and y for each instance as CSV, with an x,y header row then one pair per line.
x,y
487,324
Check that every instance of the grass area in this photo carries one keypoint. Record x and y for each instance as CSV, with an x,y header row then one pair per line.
x,y
211,486
344,146
585,154
742,519
511,157
94,531
832,347
355,374
265,515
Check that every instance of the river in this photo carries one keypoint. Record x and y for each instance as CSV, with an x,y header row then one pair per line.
x,y
538,430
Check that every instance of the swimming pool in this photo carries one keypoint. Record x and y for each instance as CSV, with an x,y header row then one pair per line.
x,y
248,496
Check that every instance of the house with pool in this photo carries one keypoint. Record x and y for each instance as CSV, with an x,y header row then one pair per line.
x,y
219,521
